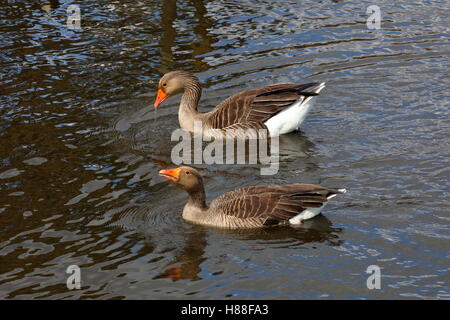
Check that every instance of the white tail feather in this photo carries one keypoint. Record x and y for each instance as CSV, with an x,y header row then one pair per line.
x,y
292,117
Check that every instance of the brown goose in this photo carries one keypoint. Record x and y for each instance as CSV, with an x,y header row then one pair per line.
x,y
250,207
279,108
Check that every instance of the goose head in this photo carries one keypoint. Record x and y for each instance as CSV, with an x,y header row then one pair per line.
x,y
172,83
187,177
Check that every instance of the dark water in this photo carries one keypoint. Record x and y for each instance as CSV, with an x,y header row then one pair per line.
x,y
80,148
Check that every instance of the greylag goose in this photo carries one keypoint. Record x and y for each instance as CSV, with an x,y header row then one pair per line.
x,y
277,109
250,207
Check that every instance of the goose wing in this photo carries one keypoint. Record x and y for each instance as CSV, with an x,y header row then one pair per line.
x,y
258,105
270,205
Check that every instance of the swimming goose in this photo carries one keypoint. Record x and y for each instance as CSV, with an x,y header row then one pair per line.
x,y
250,207
277,109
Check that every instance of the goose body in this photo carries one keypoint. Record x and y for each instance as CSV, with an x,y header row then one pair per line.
x,y
250,207
277,109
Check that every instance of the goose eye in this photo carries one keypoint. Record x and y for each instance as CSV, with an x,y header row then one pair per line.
x,y
187,172
164,84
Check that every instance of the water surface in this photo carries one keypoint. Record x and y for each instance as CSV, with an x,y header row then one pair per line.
x,y
80,148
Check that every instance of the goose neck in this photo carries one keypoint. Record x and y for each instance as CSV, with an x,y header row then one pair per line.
x,y
191,96
197,198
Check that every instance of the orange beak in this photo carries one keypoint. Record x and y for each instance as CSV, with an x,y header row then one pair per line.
x,y
171,174
160,98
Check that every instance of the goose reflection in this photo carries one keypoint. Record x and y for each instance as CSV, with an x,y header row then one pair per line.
x,y
295,145
187,264
316,230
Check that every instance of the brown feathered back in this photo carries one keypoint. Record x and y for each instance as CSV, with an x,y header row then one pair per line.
x,y
257,105
271,204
